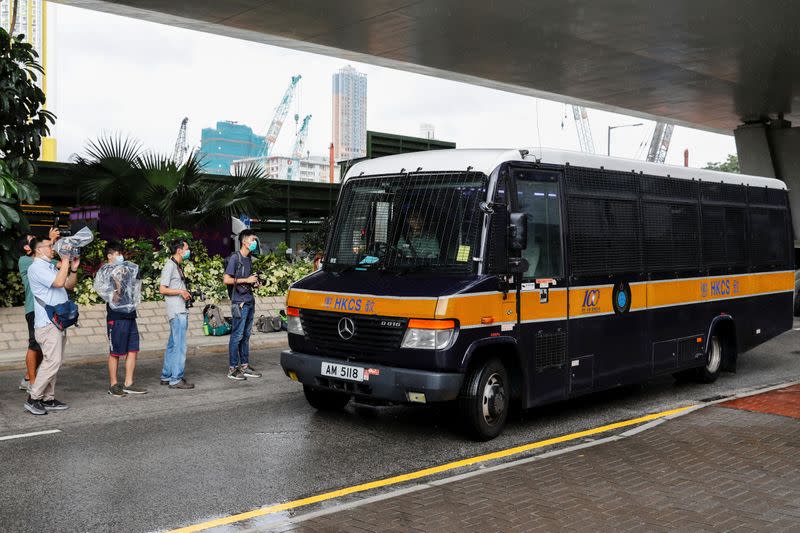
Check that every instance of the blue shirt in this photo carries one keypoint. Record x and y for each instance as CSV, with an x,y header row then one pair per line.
x,y
41,275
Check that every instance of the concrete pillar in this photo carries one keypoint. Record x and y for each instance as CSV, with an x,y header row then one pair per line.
x,y
773,150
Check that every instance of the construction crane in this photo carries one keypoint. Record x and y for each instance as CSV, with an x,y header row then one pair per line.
x,y
299,149
181,146
280,115
585,139
659,144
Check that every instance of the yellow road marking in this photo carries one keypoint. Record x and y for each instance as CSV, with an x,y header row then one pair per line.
x,y
422,473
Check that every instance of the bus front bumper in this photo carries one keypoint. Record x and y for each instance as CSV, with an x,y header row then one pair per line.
x,y
384,383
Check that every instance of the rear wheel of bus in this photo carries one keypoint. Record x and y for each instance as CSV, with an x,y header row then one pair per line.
x,y
485,399
325,400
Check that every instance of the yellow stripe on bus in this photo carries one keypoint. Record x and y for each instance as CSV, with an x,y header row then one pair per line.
x,y
584,301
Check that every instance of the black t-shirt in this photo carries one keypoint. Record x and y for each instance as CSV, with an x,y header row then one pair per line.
x,y
240,267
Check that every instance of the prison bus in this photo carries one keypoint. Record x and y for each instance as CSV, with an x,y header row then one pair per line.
x,y
489,277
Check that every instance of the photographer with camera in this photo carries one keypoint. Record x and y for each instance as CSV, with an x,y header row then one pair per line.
x,y
33,356
49,285
178,300
240,281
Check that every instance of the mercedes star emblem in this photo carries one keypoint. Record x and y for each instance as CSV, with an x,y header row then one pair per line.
x,y
346,328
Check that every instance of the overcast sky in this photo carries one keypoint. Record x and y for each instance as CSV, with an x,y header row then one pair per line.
x,y
115,74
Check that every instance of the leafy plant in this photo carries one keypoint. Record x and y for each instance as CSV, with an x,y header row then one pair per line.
x,y
116,171
23,124
731,164
203,272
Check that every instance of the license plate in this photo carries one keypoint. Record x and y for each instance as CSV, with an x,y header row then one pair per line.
x,y
335,370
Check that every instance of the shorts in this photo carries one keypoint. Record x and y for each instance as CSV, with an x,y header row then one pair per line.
x,y
123,337
32,344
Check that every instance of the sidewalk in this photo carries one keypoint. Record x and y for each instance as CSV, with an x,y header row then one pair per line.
x,y
731,466
84,352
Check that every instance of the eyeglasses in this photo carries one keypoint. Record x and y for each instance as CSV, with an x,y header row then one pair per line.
x,y
43,246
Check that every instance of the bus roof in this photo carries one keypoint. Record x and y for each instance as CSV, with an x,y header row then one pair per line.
x,y
486,160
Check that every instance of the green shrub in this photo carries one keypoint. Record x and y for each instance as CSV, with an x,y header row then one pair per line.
x,y
203,272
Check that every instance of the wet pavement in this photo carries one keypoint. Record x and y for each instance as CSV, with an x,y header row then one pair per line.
x,y
716,469
173,458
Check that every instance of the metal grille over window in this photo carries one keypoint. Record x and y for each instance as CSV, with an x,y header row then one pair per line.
x,y
411,221
604,221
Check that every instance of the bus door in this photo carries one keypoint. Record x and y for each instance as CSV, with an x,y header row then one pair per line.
x,y
544,295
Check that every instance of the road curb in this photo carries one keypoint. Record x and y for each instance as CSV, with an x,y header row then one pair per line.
x,y
537,457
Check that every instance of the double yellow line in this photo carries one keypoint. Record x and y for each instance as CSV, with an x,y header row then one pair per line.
x,y
394,480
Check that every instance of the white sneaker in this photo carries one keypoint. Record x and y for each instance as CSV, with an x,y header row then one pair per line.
x,y
25,385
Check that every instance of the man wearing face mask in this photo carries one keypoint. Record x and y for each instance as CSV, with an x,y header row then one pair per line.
x,y
173,288
123,332
240,281
49,286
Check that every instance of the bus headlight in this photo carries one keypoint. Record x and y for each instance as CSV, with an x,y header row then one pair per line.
x,y
293,324
429,334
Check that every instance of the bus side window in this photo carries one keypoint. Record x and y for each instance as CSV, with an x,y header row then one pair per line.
x,y
540,200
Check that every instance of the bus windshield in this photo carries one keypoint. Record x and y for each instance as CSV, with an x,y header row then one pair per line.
x,y
405,222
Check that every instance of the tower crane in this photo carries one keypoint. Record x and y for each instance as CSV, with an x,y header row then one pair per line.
x,y
659,144
280,115
299,149
585,139
181,146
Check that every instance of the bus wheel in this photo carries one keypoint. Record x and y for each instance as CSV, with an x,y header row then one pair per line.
x,y
325,400
710,372
485,399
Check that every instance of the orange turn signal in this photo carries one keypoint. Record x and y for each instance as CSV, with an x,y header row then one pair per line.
x,y
292,311
487,320
699,340
417,323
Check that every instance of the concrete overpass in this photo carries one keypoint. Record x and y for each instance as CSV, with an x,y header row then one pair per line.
x,y
728,67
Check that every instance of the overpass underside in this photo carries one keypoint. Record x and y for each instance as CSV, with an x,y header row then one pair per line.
x,y
707,64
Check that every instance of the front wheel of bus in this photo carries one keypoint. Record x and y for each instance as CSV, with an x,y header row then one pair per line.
x,y
325,400
485,398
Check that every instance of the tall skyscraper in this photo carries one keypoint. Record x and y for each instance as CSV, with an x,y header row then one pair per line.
x,y
229,141
32,21
349,114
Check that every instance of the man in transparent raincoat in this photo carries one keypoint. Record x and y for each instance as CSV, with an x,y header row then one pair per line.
x,y
118,283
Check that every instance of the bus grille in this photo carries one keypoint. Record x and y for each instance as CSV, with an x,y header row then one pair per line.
x,y
322,330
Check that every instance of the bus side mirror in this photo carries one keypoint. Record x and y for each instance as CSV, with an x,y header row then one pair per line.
x,y
518,232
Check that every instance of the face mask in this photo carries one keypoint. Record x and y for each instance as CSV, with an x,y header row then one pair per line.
x,y
119,259
186,254
253,246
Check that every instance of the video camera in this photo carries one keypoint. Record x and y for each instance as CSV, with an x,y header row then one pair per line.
x,y
71,246
57,225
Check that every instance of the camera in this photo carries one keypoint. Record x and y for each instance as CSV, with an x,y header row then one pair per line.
x,y
57,224
194,295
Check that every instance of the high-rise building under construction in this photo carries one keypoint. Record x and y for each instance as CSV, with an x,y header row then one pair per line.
x,y
32,21
349,114
228,141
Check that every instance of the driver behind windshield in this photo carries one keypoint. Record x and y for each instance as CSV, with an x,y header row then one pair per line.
x,y
417,240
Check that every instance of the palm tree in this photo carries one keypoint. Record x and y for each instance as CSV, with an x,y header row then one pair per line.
x,y
117,172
